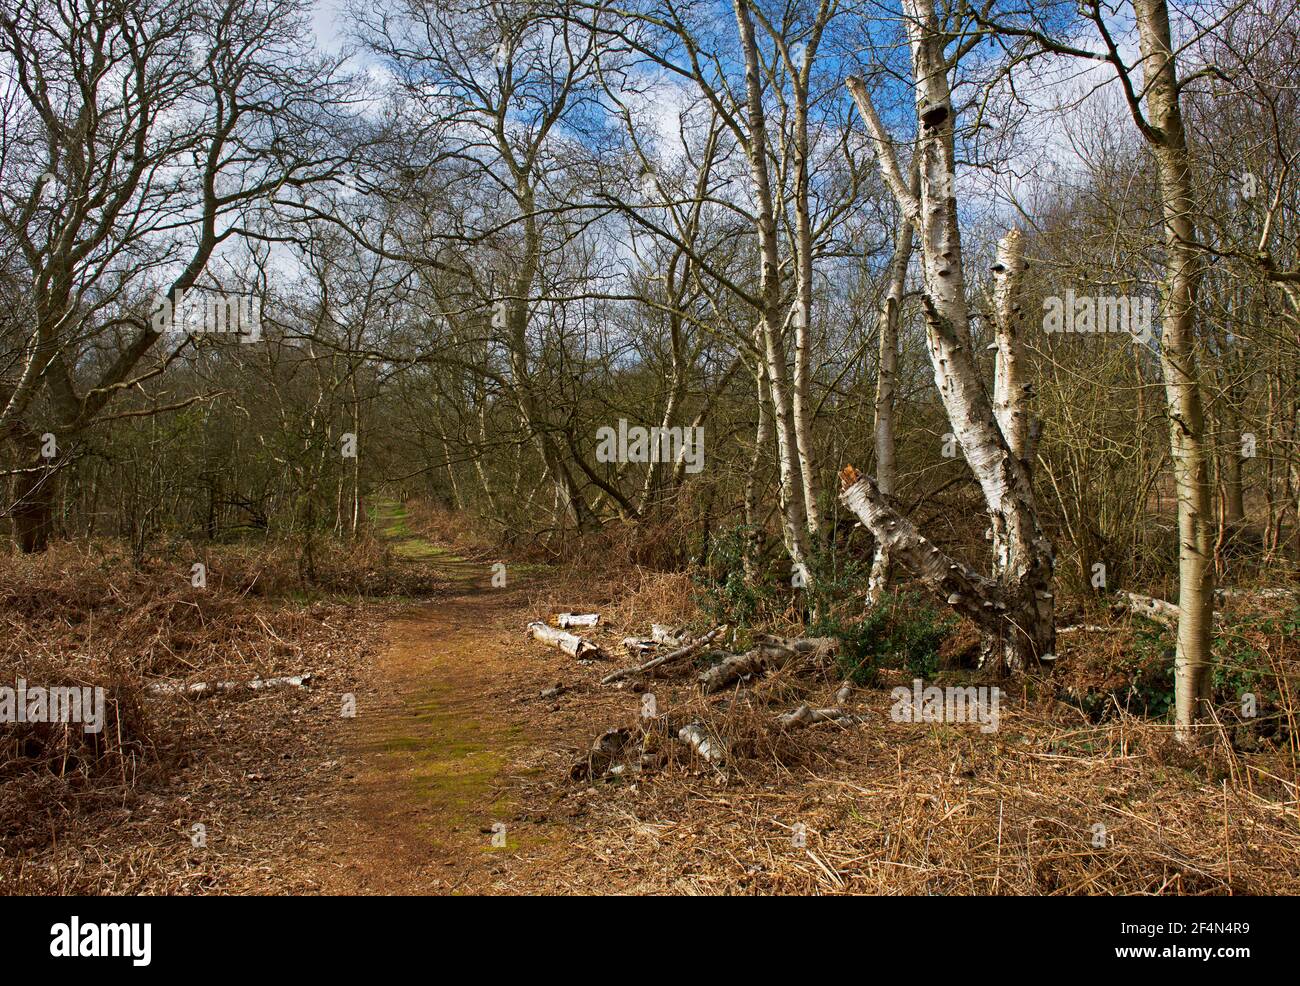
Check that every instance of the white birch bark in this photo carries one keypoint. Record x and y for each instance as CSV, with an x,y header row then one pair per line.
x,y
793,505
1009,394
1015,611
804,304
886,461
753,533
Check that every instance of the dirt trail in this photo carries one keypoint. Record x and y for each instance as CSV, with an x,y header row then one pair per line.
x,y
437,743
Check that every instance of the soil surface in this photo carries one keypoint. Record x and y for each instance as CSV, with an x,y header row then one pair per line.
x,y
443,750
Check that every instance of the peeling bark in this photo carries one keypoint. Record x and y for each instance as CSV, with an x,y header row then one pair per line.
x,y
570,643
681,652
1014,609
199,689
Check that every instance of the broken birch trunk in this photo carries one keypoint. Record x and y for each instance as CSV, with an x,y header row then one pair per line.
x,y
201,688
566,621
1222,595
1153,609
806,715
762,658
1169,614
639,646
703,742
675,655
666,635
818,648
1013,608
1013,613
570,643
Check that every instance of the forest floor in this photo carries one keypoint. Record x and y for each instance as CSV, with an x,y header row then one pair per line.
x,y
456,772
442,742
459,741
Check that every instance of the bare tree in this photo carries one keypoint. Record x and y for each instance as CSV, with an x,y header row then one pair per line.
x,y
1014,607
137,138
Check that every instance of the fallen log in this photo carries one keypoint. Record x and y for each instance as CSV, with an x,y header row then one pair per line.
x,y
570,643
639,646
704,743
684,651
762,658
566,620
806,715
800,645
200,688
666,635
818,650
1168,613
1152,609
1220,595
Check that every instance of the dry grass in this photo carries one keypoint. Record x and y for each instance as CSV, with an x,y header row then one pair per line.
x,y
457,531
1056,801
885,807
896,808
111,812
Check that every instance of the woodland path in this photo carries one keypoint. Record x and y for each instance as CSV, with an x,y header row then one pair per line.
x,y
442,743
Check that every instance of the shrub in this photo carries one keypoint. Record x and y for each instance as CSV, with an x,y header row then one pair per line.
x,y
903,631
723,593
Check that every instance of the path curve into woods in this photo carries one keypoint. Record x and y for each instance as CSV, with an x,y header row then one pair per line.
x,y
442,741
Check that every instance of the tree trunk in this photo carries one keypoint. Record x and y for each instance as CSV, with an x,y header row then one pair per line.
x,y
793,505
886,374
1013,610
803,313
33,510
1009,387
1234,500
753,523
1178,361
569,501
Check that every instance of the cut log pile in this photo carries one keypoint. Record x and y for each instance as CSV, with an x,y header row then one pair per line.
x,y
720,680
673,652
